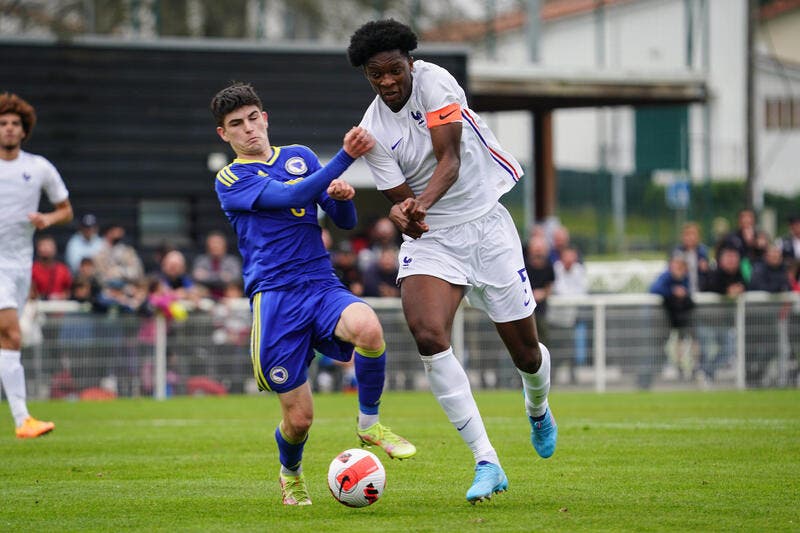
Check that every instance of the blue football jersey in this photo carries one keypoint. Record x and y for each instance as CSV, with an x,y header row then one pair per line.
x,y
279,247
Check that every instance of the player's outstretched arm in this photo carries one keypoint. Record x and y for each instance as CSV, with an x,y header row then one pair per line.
x,y
278,195
337,204
358,142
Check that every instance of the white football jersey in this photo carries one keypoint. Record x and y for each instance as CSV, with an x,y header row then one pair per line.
x,y
404,152
21,184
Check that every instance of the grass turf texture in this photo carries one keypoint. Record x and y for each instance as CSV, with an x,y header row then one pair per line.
x,y
625,461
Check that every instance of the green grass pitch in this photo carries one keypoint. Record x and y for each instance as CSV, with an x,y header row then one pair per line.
x,y
713,461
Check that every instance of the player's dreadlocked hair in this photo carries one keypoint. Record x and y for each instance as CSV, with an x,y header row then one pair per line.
x,y
232,98
11,103
380,36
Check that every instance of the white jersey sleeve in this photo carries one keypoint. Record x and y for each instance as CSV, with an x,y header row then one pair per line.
x,y
386,172
441,90
52,183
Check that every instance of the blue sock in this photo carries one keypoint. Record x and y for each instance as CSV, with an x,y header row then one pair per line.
x,y
370,374
289,453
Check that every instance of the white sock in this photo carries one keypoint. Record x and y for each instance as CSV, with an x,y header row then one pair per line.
x,y
12,375
450,384
365,420
537,386
291,473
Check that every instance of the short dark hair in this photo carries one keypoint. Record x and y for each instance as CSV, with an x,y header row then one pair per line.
x,y
11,103
231,98
380,36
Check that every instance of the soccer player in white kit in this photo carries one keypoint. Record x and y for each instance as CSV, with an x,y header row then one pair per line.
x,y
444,172
23,177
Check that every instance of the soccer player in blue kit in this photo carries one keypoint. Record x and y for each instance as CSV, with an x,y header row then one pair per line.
x,y
270,195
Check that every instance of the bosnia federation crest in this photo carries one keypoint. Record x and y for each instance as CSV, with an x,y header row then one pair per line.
x,y
296,165
278,375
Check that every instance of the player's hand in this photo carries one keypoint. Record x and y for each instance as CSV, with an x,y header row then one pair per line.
x,y
413,209
39,220
358,142
340,190
408,216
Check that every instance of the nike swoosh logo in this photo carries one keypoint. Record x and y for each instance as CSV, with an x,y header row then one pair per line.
x,y
527,302
442,117
398,142
465,424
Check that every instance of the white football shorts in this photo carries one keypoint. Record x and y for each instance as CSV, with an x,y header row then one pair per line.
x,y
484,255
14,287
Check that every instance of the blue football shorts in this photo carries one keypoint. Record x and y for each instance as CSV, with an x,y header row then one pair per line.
x,y
289,324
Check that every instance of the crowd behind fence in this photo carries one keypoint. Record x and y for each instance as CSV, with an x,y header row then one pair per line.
x,y
617,342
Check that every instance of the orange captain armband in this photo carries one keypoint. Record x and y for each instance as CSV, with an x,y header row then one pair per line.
x,y
446,115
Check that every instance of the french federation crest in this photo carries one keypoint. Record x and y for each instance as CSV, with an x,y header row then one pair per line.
x,y
296,166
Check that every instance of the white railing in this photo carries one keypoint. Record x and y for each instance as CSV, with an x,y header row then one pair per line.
x,y
624,344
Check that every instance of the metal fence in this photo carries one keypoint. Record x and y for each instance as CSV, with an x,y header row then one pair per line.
x,y
597,342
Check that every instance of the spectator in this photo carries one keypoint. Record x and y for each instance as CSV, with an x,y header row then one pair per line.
x,y
383,234
717,342
87,270
771,275
86,286
560,241
380,278
345,264
84,243
727,278
175,280
216,268
51,278
117,296
541,275
791,246
696,255
117,260
570,279
673,286
746,241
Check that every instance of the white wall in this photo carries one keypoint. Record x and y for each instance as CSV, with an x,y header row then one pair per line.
x,y
778,151
650,35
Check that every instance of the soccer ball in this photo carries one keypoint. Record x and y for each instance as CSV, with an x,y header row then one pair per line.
x,y
356,478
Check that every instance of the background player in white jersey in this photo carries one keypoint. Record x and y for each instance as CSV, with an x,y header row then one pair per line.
x,y
23,177
444,171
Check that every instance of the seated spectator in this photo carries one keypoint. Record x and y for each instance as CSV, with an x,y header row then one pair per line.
x,y
791,246
380,278
560,241
84,243
50,278
117,296
541,275
383,234
345,264
175,280
727,277
117,260
216,268
696,255
771,275
87,270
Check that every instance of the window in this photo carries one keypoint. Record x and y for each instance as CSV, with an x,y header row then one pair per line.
x,y
782,113
164,221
